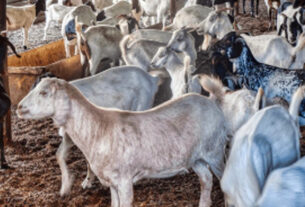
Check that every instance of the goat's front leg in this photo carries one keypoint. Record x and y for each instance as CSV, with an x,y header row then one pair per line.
x,y
25,37
206,183
125,190
67,47
252,8
87,183
3,161
61,155
75,50
46,28
114,197
257,4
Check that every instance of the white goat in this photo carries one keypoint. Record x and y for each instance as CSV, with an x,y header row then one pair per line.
x,y
131,89
139,52
101,4
18,17
174,137
285,187
275,50
269,140
181,79
182,41
120,8
217,24
55,12
84,15
98,43
159,8
238,106
151,34
189,16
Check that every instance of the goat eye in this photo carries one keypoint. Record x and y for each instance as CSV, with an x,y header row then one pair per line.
x,y
43,93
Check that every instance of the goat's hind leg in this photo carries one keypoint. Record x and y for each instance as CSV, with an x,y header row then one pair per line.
x,y
125,191
3,161
61,155
87,183
206,183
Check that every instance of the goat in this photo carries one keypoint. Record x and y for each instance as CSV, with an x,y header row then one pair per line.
x,y
98,43
5,104
120,8
284,187
216,25
237,106
272,5
55,12
159,8
252,7
182,41
84,15
159,134
23,17
275,50
101,4
181,79
189,16
291,22
268,141
276,82
131,89
139,52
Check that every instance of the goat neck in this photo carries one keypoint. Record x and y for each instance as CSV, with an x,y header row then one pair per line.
x,y
85,134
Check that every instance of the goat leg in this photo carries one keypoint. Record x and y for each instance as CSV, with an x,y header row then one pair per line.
x,y
252,8
3,161
244,10
206,183
87,183
257,4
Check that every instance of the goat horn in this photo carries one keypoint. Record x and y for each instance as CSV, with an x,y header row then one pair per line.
x,y
223,9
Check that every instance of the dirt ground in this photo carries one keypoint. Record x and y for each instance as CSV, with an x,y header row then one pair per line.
x,y
34,178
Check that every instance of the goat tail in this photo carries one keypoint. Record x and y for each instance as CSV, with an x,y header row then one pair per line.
x,y
124,48
295,103
259,100
214,86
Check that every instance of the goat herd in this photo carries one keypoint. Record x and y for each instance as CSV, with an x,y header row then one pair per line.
x,y
236,116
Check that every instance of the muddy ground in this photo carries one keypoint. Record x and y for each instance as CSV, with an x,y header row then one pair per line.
x,y
34,178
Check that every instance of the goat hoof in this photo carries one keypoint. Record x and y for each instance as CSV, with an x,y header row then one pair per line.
x,y
25,47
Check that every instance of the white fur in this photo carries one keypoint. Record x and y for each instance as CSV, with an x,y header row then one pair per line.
x,y
123,147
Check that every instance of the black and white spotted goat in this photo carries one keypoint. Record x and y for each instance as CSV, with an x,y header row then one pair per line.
x,y
275,81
